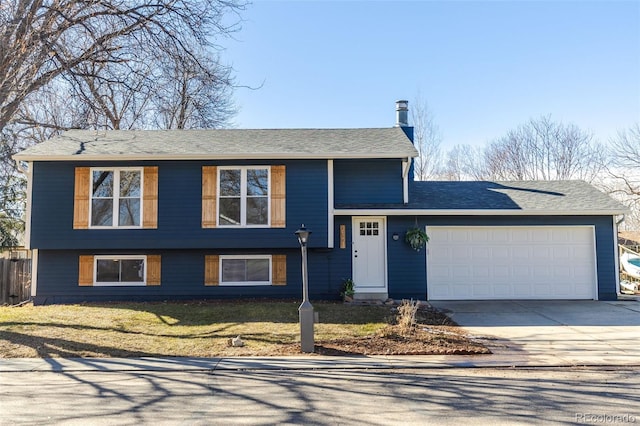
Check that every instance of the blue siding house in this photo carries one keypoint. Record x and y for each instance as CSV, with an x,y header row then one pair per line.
x,y
186,214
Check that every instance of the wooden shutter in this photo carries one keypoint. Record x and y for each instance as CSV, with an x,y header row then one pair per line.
x,y
209,196
154,267
278,197
150,198
85,274
81,198
212,270
279,269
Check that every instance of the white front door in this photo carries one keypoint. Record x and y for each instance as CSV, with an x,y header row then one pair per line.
x,y
369,259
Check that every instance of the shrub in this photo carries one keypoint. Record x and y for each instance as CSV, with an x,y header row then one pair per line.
x,y
407,316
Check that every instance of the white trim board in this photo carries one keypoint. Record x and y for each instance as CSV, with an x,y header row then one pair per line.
x,y
427,212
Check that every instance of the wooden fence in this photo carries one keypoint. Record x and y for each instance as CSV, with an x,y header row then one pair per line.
x,y
15,281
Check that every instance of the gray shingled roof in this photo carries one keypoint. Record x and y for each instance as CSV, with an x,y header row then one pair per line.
x,y
223,143
517,197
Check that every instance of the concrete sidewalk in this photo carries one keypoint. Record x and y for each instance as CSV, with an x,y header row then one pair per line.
x,y
303,362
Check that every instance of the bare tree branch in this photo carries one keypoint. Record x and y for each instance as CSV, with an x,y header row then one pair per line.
x,y
427,139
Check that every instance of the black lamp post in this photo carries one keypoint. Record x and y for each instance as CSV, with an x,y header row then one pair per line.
x,y
305,310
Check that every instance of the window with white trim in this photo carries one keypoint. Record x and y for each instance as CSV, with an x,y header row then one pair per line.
x,y
243,196
116,195
119,270
245,270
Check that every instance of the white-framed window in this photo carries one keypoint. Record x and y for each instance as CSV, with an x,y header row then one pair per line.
x,y
245,270
243,196
116,197
122,270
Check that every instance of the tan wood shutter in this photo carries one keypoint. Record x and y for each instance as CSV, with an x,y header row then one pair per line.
x,y
212,270
81,198
154,267
85,274
279,269
209,196
278,197
150,198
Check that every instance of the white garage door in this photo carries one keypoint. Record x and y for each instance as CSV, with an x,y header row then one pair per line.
x,y
504,262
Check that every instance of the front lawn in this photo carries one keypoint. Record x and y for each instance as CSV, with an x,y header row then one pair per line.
x,y
205,329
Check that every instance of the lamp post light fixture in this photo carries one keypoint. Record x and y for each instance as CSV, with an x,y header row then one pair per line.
x,y
305,310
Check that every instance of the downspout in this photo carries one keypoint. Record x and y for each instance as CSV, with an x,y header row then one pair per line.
x,y
617,252
28,171
406,165
330,204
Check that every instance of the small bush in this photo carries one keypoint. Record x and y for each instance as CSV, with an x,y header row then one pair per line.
x,y
407,316
348,289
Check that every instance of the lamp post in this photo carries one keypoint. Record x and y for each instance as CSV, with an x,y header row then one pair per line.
x,y
305,310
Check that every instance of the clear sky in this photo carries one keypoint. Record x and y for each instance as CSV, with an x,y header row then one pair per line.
x,y
484,67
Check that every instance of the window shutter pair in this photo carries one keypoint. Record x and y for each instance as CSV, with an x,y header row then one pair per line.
x,y
153,265
278,270
82,197
210,196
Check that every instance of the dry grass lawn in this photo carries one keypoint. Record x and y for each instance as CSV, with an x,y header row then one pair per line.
x,y
204,329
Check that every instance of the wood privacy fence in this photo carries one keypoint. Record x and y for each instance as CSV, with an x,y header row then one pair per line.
x,y
15,281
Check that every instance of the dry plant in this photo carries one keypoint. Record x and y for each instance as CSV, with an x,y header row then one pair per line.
x,y
407,316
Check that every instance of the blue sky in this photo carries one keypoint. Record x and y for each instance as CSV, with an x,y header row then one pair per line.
x,y
484,67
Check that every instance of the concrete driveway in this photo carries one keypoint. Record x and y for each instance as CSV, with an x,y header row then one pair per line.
x,y
542,332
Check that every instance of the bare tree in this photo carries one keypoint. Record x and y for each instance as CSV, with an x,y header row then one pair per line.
x,y
624,172
464,162
67,64
427,139
107,53
12,196
544,150
186,99
42,40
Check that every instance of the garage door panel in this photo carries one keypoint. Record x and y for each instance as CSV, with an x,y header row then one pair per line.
x,y
481,252
480,236
520,236
521,290
563,252
581,251
541,252
481,291
459,237
540,290
500,236
500,253
562,236
535,262
521,255
543,236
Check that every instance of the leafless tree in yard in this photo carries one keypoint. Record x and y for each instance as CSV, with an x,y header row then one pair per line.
x,y
427,139
186,99
464,162
624,173
544,150
67,64
41,41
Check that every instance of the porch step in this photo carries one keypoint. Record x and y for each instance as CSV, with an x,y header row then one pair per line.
x,y
371,296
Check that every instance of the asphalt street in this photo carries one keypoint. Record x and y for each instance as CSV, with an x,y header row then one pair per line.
x,y
447,396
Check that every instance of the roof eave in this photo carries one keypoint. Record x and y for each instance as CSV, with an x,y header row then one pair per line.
x,y
154,157
478,212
